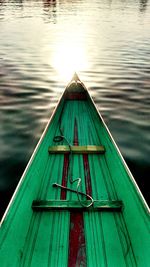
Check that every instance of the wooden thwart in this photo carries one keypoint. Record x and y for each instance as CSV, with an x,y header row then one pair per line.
x,y
62,149
98,205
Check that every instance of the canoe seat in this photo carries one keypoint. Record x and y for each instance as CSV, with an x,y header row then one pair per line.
x,y
56,205
62,149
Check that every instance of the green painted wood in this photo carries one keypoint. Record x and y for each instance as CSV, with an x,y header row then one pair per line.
x,y
77,149
98,205
29,238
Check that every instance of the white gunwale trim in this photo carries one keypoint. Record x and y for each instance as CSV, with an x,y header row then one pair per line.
x,y
32,157
42,136
123,160
34,152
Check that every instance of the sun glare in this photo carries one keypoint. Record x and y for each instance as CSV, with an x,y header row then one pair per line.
x,y
68,58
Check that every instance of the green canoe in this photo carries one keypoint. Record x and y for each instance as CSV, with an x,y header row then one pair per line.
x,y
77,203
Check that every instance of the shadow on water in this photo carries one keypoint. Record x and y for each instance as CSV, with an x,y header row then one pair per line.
x,y
50,10
141,172
143,5
16,2
15,172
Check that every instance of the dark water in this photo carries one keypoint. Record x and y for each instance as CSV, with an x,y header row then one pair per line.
x,y
41,44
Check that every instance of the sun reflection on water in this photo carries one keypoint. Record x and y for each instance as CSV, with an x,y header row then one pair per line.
x,y
69,57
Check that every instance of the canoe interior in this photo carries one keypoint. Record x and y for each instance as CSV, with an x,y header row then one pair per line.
x,y
76,237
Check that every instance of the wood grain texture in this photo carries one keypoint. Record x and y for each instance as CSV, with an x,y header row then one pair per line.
x,y
34,239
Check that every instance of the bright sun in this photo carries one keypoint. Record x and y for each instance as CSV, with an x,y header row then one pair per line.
x,y
68,58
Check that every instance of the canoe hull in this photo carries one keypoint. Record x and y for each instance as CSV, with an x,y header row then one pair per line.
x,y
76,237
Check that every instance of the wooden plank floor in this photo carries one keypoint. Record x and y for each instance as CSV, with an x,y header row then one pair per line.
x,y
48,239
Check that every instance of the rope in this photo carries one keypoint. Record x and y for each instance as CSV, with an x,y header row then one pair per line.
x,y
77,192
59,138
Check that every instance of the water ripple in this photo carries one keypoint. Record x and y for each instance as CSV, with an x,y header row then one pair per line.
x,y
114,37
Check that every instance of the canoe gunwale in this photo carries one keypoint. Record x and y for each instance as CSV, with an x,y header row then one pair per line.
x,y
140,195
52,221
136,187
61,99
32,157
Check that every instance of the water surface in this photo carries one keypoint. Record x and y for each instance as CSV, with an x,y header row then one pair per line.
x,y
42,43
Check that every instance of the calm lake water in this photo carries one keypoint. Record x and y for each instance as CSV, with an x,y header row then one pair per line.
x,y
42,43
